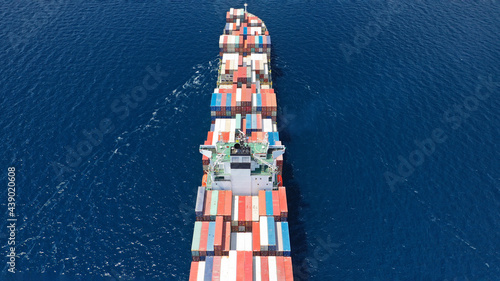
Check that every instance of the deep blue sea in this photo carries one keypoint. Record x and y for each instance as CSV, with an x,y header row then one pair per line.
x,y
390,112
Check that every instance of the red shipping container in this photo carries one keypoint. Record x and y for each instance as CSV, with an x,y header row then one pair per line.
x,y
262,202
288,269
276,205
221,203
256,238
264,269
223,102
228,204
241,210
264,101
280,268
283,202
249,266
208,201
219,224
204,238
233,101
193,273
240,268
216,268
210,135
227,238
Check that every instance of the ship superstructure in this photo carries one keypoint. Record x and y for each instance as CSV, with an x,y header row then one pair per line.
x,y
241,230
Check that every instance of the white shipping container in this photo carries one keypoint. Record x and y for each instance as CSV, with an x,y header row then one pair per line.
x,y
247,238
255,208
201,271
224,268
263,232
233,264
232,130
256,269
273,270
238,95
254,100
279,237
240,241
216,131
267,125
234,219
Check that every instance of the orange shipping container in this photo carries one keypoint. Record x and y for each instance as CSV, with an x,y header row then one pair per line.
x,y
283,202
193,273
210,136
280,268
221,203
208,201
249,265
241,210
204,238
288,268
240,268
228,204
219,223
256,237
264,269
276,204
227,238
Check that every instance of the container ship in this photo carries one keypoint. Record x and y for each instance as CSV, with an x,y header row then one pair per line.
x,y
241,230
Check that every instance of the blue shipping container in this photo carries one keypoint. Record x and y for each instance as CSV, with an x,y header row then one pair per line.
x,y
271,231
209,264
269,203
286,238
249,121
211,237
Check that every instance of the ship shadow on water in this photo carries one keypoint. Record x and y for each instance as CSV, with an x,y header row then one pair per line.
x,y
298,237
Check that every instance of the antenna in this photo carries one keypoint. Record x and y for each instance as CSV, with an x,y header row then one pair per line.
x,y
245,7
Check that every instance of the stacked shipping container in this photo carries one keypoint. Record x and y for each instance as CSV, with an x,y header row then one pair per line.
x,y
242,237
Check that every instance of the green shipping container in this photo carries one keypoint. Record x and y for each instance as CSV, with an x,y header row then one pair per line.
x,y
213,204
238,121
195,246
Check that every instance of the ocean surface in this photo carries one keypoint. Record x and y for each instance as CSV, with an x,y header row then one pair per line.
x,y
389,110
